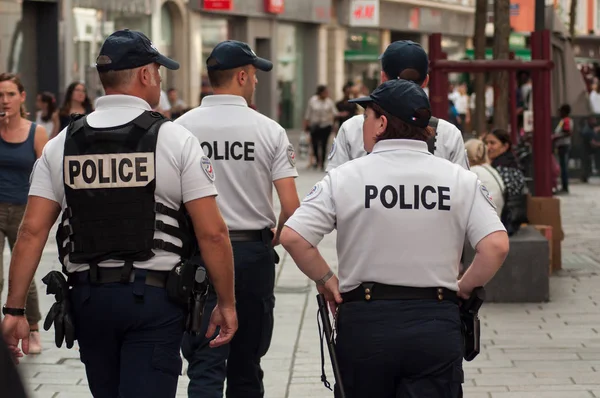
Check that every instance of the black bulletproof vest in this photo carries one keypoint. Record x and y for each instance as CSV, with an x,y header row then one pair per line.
x,y
433,122
109,181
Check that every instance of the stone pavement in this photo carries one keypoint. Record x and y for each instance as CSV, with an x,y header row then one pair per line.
x,y
548,350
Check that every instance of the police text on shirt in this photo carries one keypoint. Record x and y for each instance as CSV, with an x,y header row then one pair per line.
x,y
408,198
114,170
229,150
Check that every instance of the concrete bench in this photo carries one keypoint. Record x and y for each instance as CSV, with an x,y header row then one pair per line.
x,y
524,277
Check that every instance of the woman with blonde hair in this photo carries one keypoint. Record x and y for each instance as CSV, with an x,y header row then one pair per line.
x,y
489,177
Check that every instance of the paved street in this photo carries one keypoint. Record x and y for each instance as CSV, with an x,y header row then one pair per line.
x,y
532,350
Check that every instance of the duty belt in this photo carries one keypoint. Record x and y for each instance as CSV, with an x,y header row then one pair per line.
x,y
370,291
114,275
251,235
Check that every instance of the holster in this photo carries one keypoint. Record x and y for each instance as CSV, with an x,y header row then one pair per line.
x,y
201,284
469,316
180,282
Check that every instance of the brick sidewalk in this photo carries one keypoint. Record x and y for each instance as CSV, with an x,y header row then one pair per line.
x,y
530,350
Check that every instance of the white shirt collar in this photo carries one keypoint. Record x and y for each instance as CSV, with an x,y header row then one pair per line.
x,y
121,101
398,144
223,99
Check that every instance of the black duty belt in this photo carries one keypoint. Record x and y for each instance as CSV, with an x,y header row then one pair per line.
x,y
113,275
247,236
378,291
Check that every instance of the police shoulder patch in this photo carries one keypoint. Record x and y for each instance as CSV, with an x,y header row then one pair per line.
x,y
207,167
314,192
291,154
332,152
486,194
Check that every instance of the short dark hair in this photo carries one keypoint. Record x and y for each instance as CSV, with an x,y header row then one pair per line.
x,y
503,136
398,129
321,88
220,78
565,110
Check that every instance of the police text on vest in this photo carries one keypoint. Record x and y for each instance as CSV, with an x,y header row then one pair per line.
x,y
409,198
114,170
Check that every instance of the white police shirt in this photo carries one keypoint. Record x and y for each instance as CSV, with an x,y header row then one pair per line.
x,y
249,151
349,144
179,175
401,216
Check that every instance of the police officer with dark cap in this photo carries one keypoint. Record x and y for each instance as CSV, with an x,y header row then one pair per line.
x,y
132,188
251,155
398,322
403,59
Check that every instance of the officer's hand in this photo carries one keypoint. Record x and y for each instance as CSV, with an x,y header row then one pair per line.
x,y
331,291
14,329
226,319
275,240
463,291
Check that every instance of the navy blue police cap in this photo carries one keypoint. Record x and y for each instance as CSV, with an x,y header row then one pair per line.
x,y
402,55
129,49
232,54
400,98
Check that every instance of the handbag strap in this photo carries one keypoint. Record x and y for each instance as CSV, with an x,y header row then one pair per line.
x,y
500,184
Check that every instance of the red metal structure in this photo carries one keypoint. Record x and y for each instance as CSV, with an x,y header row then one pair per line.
x,y
541,65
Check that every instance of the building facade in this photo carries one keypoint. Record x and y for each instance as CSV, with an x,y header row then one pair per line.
x,y
29,44
290,33
310,42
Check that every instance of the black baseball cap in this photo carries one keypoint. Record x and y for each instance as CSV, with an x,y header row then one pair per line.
x,y
232,54
403,99
404,54
129,49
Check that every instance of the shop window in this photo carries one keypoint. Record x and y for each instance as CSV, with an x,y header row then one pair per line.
x,y
290,74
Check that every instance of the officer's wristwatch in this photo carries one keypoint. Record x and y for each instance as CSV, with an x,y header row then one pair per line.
x,y
324,279
13,311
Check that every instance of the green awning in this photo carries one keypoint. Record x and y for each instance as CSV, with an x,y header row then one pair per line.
x,y
523,54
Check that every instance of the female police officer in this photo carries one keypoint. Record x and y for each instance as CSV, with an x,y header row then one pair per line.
x,y
401,216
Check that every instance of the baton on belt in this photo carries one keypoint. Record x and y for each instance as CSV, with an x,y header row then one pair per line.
x,y
328,333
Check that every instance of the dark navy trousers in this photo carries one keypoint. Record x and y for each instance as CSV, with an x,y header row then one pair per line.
x,y
129,344
400,349
238,361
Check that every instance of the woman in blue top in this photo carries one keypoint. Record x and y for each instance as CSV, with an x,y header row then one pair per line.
x,y
21,144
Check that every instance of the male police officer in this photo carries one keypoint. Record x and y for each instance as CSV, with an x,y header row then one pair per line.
x,y
121,176
251,153
399,331
403,60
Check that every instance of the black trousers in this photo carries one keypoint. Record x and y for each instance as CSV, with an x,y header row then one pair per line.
x,y
239,361
319,137
130,347
400,349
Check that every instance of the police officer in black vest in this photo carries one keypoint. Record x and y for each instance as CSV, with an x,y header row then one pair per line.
x,y
127,181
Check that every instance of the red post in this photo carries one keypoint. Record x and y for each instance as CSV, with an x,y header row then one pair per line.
x,y
438,95
547,147
512,111
542,129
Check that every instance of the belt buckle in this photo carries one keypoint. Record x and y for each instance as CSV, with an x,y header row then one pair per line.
x,y
440,294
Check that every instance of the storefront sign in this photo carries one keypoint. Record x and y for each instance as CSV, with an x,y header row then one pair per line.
x,y
218,5
364,13
274,6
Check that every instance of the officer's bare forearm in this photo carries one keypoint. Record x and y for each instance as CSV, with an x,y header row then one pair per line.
x,y
218,257
491,253
23,264
306,256
215,246
288,197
